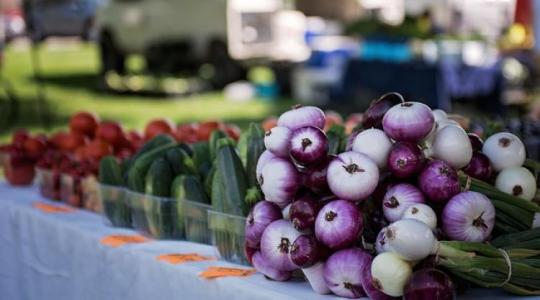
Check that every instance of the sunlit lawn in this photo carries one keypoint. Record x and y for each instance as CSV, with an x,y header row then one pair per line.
x,y
71,85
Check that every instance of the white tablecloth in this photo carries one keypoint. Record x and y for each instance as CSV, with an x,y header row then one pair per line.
x,y
59,256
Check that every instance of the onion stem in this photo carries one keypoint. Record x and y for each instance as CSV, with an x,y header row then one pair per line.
x,y
445,250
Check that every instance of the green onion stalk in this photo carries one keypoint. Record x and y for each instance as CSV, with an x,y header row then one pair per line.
x,y
510,261
513,214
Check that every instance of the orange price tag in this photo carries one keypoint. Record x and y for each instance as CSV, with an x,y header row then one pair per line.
x,y
217,272
179,258
120,240
49,208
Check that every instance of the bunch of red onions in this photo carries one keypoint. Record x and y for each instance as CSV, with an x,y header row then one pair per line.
x,y
315,206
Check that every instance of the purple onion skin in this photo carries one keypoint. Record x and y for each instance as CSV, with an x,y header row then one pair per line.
x,y
265,157
339,224
367,282
260,216
408,122
374,114
476,142
276,243
303,213
429,284
263,266
350,140
405,159
308,145
302,116
315,177
479,167
306,251
343,272
279,181
399,198
439,181
249,252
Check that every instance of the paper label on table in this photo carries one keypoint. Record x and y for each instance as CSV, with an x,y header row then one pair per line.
x,y
217,272
120,240
180,258
50,208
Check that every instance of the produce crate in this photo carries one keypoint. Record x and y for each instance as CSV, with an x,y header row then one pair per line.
x,y
228,236
48,182
115,205
70,190
196,221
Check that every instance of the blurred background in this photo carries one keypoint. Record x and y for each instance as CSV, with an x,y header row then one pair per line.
x,y
241,61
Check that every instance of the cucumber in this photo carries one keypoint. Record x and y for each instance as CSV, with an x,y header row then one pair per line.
x,y
180,162
188,187
233,176
218,192
337,140
208,180
158,179
255,147
138,170
157,141
110,172
201,158
187,148
214,138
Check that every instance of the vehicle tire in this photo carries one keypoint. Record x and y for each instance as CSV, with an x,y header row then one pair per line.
x,y
112,59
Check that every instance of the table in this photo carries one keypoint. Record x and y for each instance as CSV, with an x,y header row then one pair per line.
x,y
59,256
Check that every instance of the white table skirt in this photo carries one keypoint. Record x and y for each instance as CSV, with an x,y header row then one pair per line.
x,y
60,256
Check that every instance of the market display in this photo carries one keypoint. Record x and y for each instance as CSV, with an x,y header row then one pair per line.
x,y
400,201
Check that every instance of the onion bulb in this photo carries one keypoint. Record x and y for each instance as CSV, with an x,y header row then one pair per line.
x,y
504,150
369,287
479,167
375,144
377,109
439,115
265,157
405,159
421,212
302,116
390,273
339,224
408,122
308,145
398,198
279,181
429,284
517,181
261,215
439,181
276,243
410,239
343,272
352,176
452,145
262,265
277,140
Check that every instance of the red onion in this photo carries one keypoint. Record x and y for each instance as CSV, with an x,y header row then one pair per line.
x,y
308,145
375,144
350,140
479,167
315,178
369,287
276,243
303,213
343,272
405,159
261,215
249,252
408,122
468,216
277,140
307,253
265,157
399,198
429,284
339,224
302,116
439,181
476,141
279,181
263,266
352,176
374,114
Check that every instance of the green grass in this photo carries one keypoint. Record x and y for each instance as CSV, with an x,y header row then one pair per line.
x,y
71,84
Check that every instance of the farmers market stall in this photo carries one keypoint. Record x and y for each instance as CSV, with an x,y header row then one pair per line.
x,y
63,255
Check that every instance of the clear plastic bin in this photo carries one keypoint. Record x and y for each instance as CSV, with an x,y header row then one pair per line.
x,y
90,194
228,236
48,182
196,221
70,190
115,205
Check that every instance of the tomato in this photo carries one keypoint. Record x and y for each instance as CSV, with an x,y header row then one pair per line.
x,y
97,149
269,123
352,121
158,126
135,139
186,133
206,128
34,147
232,131
19,137
71,141
110,132
84,123
19,170
332,118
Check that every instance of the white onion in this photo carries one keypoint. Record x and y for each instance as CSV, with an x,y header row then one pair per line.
x,y
352,176
375,144
398,198
302,116
423,213
279,181
447,122
277,140
517,181
504,150
390,273
439,115
410,239
452,145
